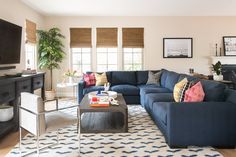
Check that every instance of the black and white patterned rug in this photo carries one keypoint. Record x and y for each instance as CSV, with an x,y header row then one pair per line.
x,y
143,139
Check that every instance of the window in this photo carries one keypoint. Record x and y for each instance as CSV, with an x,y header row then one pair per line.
x,y
81,59
133,58
30,54
107,49
133,44
106,59
81,47
30,45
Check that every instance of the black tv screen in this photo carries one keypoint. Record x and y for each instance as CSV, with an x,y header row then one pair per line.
x,y
10,42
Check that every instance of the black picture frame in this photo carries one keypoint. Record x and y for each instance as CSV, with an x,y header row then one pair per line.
x,y
229,44
174,47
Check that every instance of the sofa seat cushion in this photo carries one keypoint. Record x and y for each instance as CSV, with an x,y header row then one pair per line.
x,y
92,88
145,89
159,111
126,89
214,91
123,77
144,86
157,97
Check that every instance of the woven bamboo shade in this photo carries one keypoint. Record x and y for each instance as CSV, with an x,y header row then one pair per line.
x,y
80,37
30,32
133,37
106,37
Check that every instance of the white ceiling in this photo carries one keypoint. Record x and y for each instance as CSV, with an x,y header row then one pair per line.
x,y
134,7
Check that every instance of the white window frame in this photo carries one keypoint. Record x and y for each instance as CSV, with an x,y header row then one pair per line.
x,y
107,64
33,65
81,64
133,52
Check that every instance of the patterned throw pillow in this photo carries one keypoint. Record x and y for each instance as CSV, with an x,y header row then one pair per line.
x,y
179,87
89,79
195,93
101,79
183,90
153,78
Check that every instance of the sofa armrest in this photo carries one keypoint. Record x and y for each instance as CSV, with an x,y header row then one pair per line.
x,y
201,124
81,86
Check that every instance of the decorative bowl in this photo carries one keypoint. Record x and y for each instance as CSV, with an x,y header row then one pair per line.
x,y
6,113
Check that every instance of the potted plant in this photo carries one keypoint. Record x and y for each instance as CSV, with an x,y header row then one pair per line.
x,y
50,48
217,71
70,74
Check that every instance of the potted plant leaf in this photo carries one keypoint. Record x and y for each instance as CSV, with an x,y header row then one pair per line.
x,y
217,71
50,54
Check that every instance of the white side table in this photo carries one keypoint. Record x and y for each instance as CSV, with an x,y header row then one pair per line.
x,y
69,85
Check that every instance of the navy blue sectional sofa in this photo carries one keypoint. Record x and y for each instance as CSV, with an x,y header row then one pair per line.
x,y
208,123
128,83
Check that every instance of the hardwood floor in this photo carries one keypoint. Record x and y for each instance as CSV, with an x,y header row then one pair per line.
x,y
12,139
7,143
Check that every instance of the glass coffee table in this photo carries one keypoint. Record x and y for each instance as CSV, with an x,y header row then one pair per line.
x,y
112,119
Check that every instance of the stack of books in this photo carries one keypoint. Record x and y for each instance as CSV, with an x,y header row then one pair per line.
x,y
100,101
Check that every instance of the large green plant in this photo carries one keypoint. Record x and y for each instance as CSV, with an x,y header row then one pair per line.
x,y
50,50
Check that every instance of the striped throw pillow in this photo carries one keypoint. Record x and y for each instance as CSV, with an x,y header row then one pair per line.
x,y
182,92
179,87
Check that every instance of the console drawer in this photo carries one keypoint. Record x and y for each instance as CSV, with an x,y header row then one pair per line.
x,y
37,82
23,86
7,92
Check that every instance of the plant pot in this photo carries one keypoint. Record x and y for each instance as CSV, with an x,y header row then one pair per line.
x,y
71,80
218,77
50,94
6,113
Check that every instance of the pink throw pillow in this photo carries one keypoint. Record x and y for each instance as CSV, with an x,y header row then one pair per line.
x,y
195,93
89,79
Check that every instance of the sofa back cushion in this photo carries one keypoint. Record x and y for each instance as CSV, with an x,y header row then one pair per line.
x,y
230,96
214,91
171,79
163,77
124,77
109,76
142,76
190,78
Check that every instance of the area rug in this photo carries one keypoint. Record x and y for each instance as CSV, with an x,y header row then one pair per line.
x,y
143,139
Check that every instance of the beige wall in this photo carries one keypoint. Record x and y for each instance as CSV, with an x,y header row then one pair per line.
x,y
205,31
16,12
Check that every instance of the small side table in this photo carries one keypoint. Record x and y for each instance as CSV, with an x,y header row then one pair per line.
x,y
69,85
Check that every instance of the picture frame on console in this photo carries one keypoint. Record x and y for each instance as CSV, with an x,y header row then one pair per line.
x,y
229,43
177,47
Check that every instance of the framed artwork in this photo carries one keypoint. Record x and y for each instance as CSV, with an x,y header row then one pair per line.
x,y
177,47
229,43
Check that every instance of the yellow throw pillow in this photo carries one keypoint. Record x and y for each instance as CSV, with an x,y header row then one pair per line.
x,y
101,79
178,87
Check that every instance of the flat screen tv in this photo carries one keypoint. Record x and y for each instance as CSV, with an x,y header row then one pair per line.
x,y
10,42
